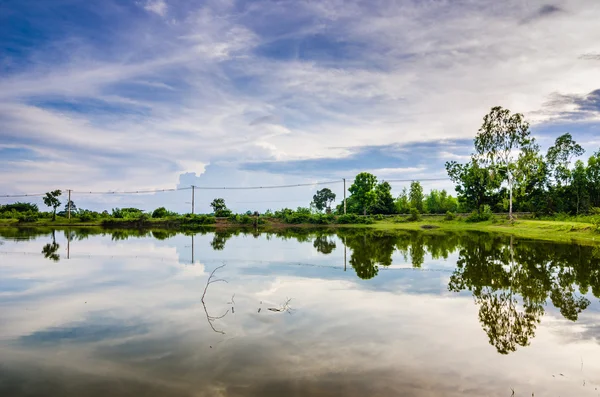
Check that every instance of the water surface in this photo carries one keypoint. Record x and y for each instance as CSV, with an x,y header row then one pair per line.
x,y
353,313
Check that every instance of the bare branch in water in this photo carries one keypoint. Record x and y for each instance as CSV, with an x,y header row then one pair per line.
x,y
210,318
283,308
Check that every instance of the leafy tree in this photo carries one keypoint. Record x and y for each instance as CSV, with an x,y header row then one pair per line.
x,y
559,157
363,191
415,196
500,136
579,184
162,212
323,198
384,201
50,250
73,207
474,184
593,177
51,200
402,203
219,207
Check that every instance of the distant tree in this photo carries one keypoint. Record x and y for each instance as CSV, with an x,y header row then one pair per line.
x,y
500,137
51,200
19,207
219,207
73,207
415,196
579,184
593,177
402,203
384,201
559,157
363,191
160,212
323,198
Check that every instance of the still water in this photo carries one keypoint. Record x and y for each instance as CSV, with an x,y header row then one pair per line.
x,y
346,313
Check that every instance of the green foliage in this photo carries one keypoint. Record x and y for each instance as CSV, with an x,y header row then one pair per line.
x,y
402,203
353,219
415,196
440,202
450,216
126,213
219,208
414,216
194,220
363,191
26,217
484,214
384,201
162,212
19,207
51,200
323,198
87,215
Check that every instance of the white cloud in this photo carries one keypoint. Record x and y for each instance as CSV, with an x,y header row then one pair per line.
x,y
182,95
156,6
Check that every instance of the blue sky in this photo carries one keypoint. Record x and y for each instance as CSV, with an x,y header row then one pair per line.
x,y
122,95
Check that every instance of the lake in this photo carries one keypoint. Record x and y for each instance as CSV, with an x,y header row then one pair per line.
x,y
354,312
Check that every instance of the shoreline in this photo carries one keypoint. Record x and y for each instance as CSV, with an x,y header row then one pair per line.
x,y
551,231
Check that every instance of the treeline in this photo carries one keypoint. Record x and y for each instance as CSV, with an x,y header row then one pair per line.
x,y
508,171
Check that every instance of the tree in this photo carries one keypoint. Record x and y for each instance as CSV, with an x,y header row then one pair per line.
x,y
402,203
51,200
219,207
416,196
384,201
363,191
593,177
501,135
579,185
474,184
73,207
323,199
559,157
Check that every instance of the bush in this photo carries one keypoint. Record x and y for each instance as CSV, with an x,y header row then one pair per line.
x,y
162,212
29,216
414,215
87,215
378,217
450,216
353,219
195,220
20,208
485,214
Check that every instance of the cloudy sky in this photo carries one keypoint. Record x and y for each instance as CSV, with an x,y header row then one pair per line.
x,y
116,95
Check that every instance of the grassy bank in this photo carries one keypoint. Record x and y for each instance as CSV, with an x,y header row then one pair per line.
x,y
547,230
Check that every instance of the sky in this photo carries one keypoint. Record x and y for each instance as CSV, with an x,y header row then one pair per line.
x,y
118,95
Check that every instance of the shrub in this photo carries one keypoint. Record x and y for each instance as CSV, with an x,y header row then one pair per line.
x,y
450,216
29,216
162,212
19,207
485,214
87,215
414,215
378,217
195,220
353,219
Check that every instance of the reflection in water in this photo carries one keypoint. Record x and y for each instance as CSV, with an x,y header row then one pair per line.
x,y
512,282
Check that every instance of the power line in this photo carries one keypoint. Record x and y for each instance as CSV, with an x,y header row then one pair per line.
x,y
149,191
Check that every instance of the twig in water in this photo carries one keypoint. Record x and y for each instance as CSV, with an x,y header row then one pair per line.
x,y
210,318
284,308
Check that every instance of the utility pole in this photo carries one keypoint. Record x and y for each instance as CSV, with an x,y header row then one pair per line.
x,y
344,196
193,191
69,204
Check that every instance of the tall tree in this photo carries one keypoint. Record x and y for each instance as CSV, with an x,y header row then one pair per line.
x,y
51,200
415,195
402,203
323,198
363,191
559,157
501,135
593,177
384,202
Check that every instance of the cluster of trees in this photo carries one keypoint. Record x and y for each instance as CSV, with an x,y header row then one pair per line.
x,y
370,197
509,171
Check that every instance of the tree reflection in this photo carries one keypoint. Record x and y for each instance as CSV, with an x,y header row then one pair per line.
x,y
511,284
50,250
324,245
